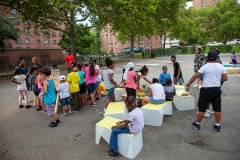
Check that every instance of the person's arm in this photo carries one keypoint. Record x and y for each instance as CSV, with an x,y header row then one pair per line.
x,y
145,78
160,78
14,81
102,77
111,79
45,85
150,92
224,77
194,77
120,82
138,81
96,72
123,124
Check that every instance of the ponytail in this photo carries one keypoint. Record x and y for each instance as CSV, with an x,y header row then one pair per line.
x,y
92,69
144,69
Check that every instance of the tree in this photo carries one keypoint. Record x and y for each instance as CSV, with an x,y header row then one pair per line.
x,y
51,14
7,31
131,18
83,38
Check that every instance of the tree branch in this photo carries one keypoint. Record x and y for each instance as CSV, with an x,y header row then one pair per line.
x,y
84,19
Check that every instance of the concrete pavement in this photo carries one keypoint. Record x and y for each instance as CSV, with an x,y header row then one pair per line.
x,y
24,133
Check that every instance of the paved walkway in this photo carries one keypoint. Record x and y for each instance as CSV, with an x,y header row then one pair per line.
x,y
24,133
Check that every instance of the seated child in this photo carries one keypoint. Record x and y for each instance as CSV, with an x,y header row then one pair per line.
x,y
164,75
136,120
169,89
157,94
63,90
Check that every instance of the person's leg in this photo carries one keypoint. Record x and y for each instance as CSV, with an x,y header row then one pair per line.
x,y
20,98
128,91
74,100
217,105
145,100
25,94
113,145
78,99
218,116
175,81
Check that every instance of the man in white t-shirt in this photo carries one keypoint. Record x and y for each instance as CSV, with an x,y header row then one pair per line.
x,y
210,92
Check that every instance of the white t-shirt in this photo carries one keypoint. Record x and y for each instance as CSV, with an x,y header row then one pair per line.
x,y
158,91
212,74
98,77
21,79
140,74
136,120
63,90
107,83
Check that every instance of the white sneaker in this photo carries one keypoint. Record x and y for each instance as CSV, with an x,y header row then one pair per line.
x,y
212,112
200,86
206,114
196,85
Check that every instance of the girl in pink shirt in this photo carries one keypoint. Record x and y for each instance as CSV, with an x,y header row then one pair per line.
x,y
130,80
90,75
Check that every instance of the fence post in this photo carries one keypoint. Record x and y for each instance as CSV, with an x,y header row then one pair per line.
x,y
7,70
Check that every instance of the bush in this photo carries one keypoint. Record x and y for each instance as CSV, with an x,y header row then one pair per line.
x,y
204,48
184,50
229,48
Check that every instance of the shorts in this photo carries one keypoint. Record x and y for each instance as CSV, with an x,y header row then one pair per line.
x,y
36,93
41,96
210,95
178,80
110,92
65,101
83,88
234,61
50,108
97,83
153,101
131,92
90,88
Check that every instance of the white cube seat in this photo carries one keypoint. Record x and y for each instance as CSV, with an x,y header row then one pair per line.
x,y
116,110
118,92
129,144
183,103
179,87
153,113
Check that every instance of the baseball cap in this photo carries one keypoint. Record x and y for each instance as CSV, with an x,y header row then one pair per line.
x,y
212,55
62,78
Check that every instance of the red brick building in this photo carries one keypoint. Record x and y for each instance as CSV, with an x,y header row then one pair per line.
x,y
111,44
201,3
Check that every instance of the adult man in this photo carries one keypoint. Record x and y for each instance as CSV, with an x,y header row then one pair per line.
x,y
213,74
69,58
199,57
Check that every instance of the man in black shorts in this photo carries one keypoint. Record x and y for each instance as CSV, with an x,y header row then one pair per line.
x,y
210,92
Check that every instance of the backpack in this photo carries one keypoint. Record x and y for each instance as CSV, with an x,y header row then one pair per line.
x,y
169,95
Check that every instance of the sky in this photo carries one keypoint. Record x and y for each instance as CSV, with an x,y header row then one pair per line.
x,y
189,4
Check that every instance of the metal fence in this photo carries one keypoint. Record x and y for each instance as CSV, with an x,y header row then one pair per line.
x,y
159,52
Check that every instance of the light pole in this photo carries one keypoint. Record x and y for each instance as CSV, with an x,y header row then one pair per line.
x,y
98,35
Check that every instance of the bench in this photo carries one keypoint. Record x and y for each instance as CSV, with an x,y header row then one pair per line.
x,y
179,87
183,103
129,144
116,110
118,92
153,113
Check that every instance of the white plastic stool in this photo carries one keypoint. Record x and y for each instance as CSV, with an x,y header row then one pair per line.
x,y
118,93
183,103
116,110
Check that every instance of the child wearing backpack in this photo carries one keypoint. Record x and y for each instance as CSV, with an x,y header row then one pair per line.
x,y
169,89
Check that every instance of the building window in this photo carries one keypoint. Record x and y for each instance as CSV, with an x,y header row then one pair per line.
x,y
107,44
46,42
14,11
59,27
53,34
106,30
60,34
111,39
38,41
25,22
115,43
18,40
14,21
111,43
37,33
26,31
106,35
106,39
27,40
18,31
54,42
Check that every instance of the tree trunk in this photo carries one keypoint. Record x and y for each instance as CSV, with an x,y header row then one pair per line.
x,y
73,42
164,41
132,46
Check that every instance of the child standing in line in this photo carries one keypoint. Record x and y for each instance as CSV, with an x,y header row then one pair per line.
x,y
136,120
164,75
109,83
177,77
21,88
82,85
49,96
40,81
34,72
98,81
130,80
73,79
63,90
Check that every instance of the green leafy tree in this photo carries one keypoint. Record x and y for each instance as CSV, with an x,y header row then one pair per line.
x,y
7,31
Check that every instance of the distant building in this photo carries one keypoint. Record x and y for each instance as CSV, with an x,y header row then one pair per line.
x,y
30,38
201,3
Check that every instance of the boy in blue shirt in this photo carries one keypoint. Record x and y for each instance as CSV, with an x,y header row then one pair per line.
x,y
49,96
163,76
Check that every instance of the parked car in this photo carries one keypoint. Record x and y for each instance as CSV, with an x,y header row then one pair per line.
x,y
177,46
229,42
236,41
192,45
214,43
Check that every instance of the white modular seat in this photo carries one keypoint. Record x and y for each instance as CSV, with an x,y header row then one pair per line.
x,y
129,144
183,103
116,110
118,93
